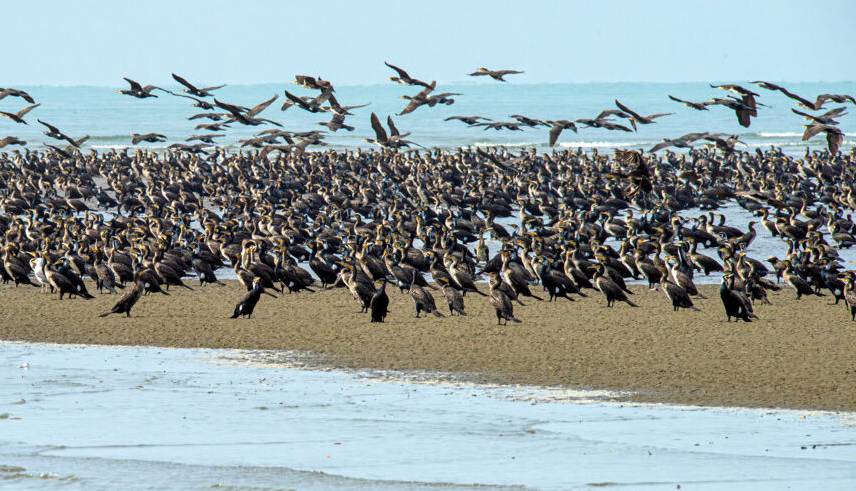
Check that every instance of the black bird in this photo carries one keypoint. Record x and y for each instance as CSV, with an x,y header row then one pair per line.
x,y
201,104
248,116
736,303
18,116
403,78
557,127
56,134
801,101
379,304
638,118
248,302
138,90
136,138
193,90
11,140
9,92
393,140
127,301
470,120
494,74
698,106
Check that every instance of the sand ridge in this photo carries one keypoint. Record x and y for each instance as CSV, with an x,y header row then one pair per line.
x,y
799,354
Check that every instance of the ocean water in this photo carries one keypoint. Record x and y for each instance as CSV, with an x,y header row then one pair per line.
x,y
110,117
105,418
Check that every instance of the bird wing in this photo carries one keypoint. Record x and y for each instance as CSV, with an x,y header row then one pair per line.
x,y
412,106
627,109
663,144
801,100
51,127
813,130
135,86
27,109
215,87
427,90
392,129
261,107
555,131
616,126
502,73
380,132
60,151
401,73
297,100
231,108
184,82
834,139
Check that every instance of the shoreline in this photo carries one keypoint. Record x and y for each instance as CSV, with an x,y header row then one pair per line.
x,y
798,355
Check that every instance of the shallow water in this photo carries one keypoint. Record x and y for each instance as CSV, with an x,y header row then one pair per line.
x,y
75,417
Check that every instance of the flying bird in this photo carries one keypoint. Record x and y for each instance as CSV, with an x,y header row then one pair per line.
x,y
557,127
393,140
138,90
494,74
469,120
403,77
638,118
11,140
698,106
9,92
193,90
137,138
18,117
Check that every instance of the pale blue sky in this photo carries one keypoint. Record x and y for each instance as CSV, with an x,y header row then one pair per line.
x,y
98,42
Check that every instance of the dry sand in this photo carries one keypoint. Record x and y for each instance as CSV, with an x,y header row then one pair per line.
x,y
799,354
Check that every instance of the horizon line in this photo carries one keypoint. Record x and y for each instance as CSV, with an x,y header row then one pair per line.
x,y
458,82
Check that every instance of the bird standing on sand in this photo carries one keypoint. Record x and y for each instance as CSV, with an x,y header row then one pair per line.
x,y
248,302
128,300
379,304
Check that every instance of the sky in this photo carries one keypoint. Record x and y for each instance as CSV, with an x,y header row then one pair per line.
x,y
243,42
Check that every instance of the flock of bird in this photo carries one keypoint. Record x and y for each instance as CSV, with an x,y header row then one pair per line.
x,y
567,223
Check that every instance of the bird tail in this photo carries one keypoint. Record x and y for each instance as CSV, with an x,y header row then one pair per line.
x,y
480,292
236,313
437,313
164,292
630,303
185,286
536,297
105,314
515,320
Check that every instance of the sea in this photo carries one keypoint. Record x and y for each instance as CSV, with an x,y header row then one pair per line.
x,y
110,118
134,418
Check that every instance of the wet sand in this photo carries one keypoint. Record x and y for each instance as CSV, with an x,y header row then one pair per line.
x,y
799,354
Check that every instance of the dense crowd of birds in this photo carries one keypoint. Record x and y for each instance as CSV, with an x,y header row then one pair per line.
x,y
563,224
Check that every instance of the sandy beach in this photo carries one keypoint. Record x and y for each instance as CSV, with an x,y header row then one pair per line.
x,y
797,355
